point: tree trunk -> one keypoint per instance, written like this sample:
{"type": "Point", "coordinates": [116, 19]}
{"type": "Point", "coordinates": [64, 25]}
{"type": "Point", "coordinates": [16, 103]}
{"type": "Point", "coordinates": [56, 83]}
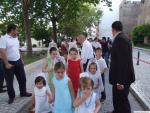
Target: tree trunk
{"type": "Point", "coordinates": [54, 30]}
{"type": "Point", "coordinates": [25, 9]}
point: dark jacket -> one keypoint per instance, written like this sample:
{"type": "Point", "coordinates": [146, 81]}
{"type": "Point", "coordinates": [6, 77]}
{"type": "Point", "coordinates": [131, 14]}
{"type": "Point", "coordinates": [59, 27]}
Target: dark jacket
{"type": "Point", "coordinates": [121, 66]}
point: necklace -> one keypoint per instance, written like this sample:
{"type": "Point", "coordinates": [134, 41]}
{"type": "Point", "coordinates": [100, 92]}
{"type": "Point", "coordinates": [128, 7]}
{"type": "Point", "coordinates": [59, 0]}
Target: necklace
{"type": "Point", "coordinates": [87, 104]}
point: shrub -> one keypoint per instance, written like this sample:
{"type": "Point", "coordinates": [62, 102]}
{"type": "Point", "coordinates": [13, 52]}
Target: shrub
{"type": "Point", "coordinates": [139, 32]}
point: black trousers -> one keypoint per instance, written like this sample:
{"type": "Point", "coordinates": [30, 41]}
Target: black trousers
{"type": "Point", "coordinates": [2, 72]}
{"type": "Point", "coordinates": [85, 65]}
{"type": "Point", "coordinates": [18, 70]}
{"type": "Point", "coordinates": [103, 94]}
{"type": "Point", "coordinates": [120, 100]}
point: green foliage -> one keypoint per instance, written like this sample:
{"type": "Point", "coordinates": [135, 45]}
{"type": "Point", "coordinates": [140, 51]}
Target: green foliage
{"type": "Point", "coordinates": [139, 32]}
{"type": "Point", "coordinates": [66, 14]}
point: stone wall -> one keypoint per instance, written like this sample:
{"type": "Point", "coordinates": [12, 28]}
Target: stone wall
{"type": "Point", "coordinates": [144, 16]}
{"type": "Point", "coordinates": [128, 14]}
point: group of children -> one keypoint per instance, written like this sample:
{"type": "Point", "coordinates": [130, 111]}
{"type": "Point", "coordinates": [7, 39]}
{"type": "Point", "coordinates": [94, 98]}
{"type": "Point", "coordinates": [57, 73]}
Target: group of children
{"type": "Point", "coordinates": [68, 89]}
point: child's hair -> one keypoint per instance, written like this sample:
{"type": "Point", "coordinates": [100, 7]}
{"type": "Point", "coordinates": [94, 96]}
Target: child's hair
{"type": "Point", "coordinates": [98, 49]}
{"type": "Point", "coordinates": [40, 79]}
{"type": "Point", "coordinates": [93, 63]}
{"type": "Point", "coordinates": [59, 65]}
{"type": "Point", "coordinates": [52, 49]}
{"type": "Point", "coordinates": [73, 49]}
{"type": "Point", "coordinates": [86, 82]}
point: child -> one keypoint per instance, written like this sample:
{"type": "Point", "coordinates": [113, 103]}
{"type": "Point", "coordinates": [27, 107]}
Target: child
{"type": "Point", "coordinates": [103, 67]}
{"type": "Point", "coordinates": [74, 68]}
{"type": "Point", "coordinates": [64, 93]}
{"type": "Point", "coordinates": [87, 101]}
{"type": "Point", "coordinates": [42, 96]}
{"type": "Point", "coordinates": [95, 75]}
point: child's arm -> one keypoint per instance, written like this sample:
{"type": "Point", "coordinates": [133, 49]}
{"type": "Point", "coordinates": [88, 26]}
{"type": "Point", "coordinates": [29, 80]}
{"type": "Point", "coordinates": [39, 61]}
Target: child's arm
{"type": "Point", "coordinates": [71, 89]}
{"type": "Point", "coordinates": [98, 106]}
{"type": "Point", "coordinates": [44, 69]}
{"type": "Point", "coordinates": [78, 101]}
{"type": "Point", "coordinates": [33, 102]}
{"type": "Point", "coordinates": [81, 65]}
{"type": "Point", "coordinates": [49, 94]}
{"type": "Point", "coordinates": [101, 83]}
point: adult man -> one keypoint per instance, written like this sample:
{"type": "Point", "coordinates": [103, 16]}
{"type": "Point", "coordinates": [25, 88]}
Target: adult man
{"type": "Point", "coordinates": [87, 50]}
{"type": "Point", "coordinates": [9, 49]}
{"type": "Point", "coordinates": [1, 74]}
{"type": "Point", "coordinates": [121, 73]}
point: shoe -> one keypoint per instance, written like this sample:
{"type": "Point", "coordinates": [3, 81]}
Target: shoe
{"type": "Point", "coordinates": [2, 90]}
{"type": "Point", "coordinates": [11, 100]}
{"type": "Point", "coordinates": [26, 94]}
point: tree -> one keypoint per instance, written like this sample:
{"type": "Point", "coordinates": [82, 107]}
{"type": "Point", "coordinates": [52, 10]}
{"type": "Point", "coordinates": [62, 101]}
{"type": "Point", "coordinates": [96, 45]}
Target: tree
{"type": "Point", "coordinates": [87, 17]}
{"type": "Point", "coordinates": [25, 8]}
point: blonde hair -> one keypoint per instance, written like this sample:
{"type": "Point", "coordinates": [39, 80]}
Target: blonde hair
{"type": "Point", "coordinates": [86, 82]}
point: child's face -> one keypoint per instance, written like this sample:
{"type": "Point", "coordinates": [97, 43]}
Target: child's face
{"type": "Point", "coordinates": [60, 73]}
{"type": "Point", "coordinates": [98, 53]}
{"type": "Point", "coordinates": [39, 85]}
{"type": "Point", "coordinates": [73, 54]}
{"type": "Point", "coordinates": [92, 69]}
{"type": "Point", "coordinates": [54, 54]}
{"type": "Point", "coordinates": [86, 91]}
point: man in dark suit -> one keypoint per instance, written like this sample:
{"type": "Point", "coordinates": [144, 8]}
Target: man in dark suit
{"type": "Point", "coordinates": [121, 74]}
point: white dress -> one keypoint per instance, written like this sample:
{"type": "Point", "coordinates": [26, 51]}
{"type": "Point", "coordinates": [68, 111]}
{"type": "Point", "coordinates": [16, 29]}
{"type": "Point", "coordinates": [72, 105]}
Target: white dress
{"type": "Point", "coordinates": [41, 100]}
{"type": "Point", "coordinates": [87, 106]}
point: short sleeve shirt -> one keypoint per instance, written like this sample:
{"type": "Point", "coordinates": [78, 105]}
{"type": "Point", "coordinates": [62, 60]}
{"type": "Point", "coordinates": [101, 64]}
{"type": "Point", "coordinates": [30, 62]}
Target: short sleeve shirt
{"type": "Point", "coordinates": [11, 45]}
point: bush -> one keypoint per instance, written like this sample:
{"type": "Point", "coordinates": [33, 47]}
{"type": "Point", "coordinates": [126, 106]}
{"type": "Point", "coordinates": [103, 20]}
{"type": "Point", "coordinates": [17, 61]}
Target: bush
{"type": "Point", "coordinates": [139, 32]}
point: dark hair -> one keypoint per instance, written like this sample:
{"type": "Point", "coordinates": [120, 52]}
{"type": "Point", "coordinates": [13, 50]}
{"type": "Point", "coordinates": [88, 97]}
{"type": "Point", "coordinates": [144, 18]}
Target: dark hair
{"type": "Point", "coordinates": [117, 25]}
{"type": "Point", "coordinates": [11, 27]}
{"type": "Point", "coordinates": [84, 34]}
{"type": "Point", "coordinates": [59, 65]}
{"type": "Point", "coordinates": [40, 79]}
{"type": "Point", "coordinates": [103, 38]}
{"type": "Point", "coordinates": [93, 63]}
{"type": "Point", "coordinates": [98, 49]}
{"type": "Point", "coordinates": [52, 49]}
{"type": "Point", "coordinates": [73, 49]}
{"type": "Point", "coordinates": [95, 38]}
{"type": "Point", "coordinates": [86, 82]}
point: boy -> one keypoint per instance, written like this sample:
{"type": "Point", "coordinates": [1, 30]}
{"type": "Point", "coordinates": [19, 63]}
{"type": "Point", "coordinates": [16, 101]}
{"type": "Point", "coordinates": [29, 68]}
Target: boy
{"type": "Point", "coordinates": [103, 67]}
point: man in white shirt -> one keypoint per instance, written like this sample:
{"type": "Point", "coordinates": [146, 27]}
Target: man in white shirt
{"type": "Point", "coordinates": [87, 49]}
{"type": "Point", "coordinates": [9, 49]}
{"type": "Point", "coordinates": [96, 44]}
{"type": "Point", "coordinates": [1, 75]}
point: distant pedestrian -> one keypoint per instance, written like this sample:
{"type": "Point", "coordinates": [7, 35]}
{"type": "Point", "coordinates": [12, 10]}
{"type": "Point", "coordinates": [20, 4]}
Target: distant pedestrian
{"type": "Point", "coordinates": [9, 49]}
{"type": "Point", "coordinates": [121, 74]}
{"type": "Point", "coordinates": [103, 67]}
{"type": "Point", "coordinates": [2, 90]}
{"type": "Point", "coordinates": [87, 49]}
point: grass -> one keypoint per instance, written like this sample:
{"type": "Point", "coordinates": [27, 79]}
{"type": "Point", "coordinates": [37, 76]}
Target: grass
{"type": "Point", "coordinates": [143, 46]}
{"type": "Point", "coordinates": [35, 56]}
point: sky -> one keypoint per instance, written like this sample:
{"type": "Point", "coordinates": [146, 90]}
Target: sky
{"type": "Point", "coordinates": [109, 17]}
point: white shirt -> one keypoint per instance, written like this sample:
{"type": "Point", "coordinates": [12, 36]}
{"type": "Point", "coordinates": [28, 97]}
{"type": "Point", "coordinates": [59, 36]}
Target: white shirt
{"type": "Point", "coordinates": [87, 51]}
{"type": "Point", "coordinates": [96, 45]}
{"type": "Point", "coordinates": [88, 106]}
{"type": "Point", "coordinates": [102, 64]}
{"type": "Point", "coordinates": [11, 45]}
{"type": "Point", "coordinates": [41, 100]}
{"type": "Point", "coordinates": [72, 44]}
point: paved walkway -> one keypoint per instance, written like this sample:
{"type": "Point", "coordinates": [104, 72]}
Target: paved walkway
{"type": "Point", "coordinates": [19, 102]}
{"type": "Point", "coordinates": [141, 87]}
{"type": "Point", "coordinates": [107, 106]}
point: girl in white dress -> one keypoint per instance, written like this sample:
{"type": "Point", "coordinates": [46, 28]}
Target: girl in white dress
{"type": "Point", "coordinates": [87, 100]}
{"type": "Point", "coordinates": [42, 96]}
{"type": "Point", "coordinates": [94, 73]}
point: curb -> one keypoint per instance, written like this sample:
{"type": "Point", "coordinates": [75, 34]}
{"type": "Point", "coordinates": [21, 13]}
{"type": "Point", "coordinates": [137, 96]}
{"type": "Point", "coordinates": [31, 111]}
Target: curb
{"type": "Point", "coordinates": [140, 98]}
{"type": "Point", "coordinates": [147, 50]}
